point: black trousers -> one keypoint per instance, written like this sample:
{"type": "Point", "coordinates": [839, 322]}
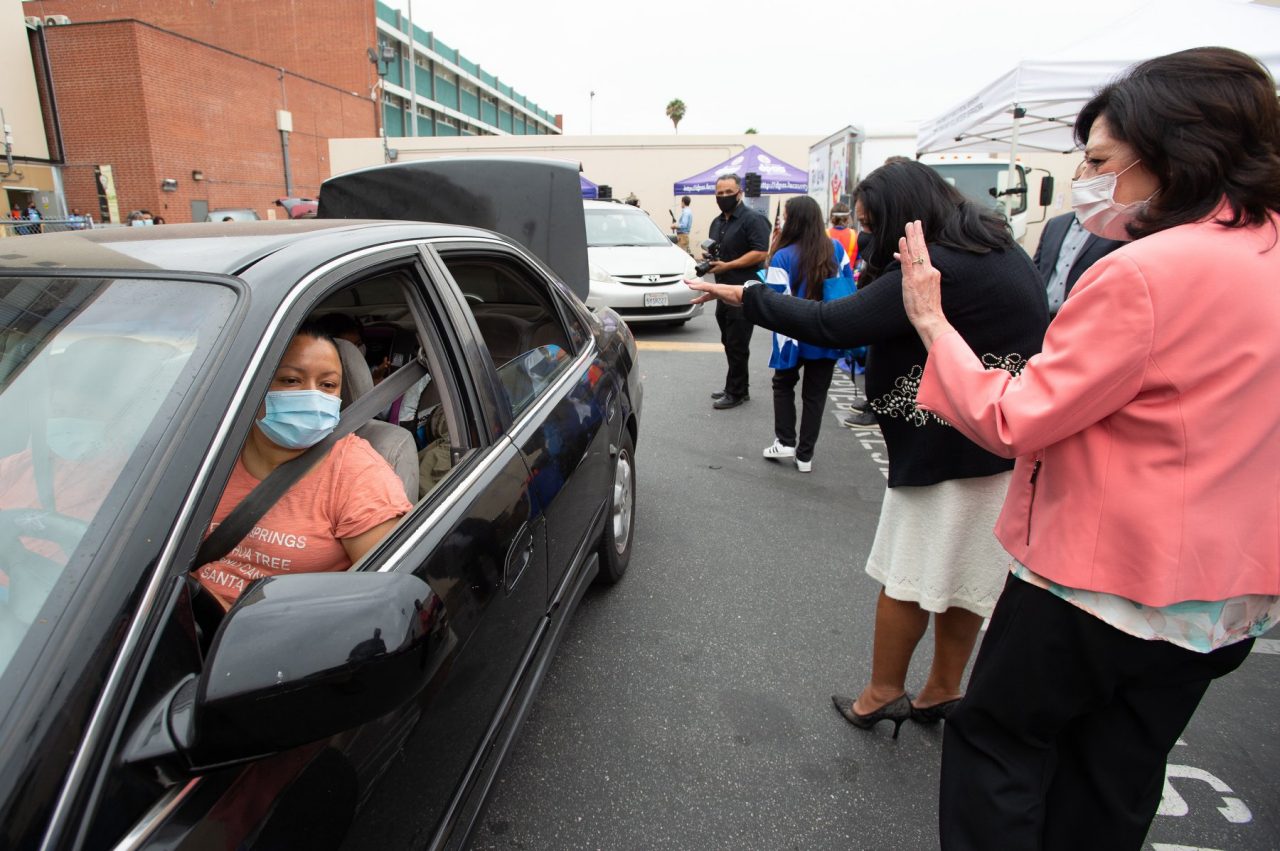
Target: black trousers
{"type": "Point", "coordinates": [735, 336]}
{"type": "Point", "coordinates": [813, 399]}
{"type": "Point", "coordinates": [1061, 740]}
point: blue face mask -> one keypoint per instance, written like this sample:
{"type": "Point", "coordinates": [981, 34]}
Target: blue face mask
{"type": "Point", "coordinates": [297, 419]}
{"type": "Point", "coordinates": [74, 438]}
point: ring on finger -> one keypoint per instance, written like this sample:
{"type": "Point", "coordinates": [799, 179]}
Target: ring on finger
{"type": "Point", "coordinates": [919, 261]}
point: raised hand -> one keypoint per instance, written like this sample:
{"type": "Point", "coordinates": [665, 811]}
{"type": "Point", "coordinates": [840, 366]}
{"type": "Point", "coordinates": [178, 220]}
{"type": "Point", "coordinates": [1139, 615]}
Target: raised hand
{"type": "Point", "coordinates": [921, 285]}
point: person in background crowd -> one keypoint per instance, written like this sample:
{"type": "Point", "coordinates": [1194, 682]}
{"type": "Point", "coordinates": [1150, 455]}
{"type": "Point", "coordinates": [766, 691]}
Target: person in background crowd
{"type": "Point", "coordinates": [1142, 517]}
{"type": "Point", "coordinates": [1065, 251]}
{"type": "Point", "coordinates": [158, 220]}
{"type": "Point", "coordinates": [933, 552]}
{"type": "Point", "coordinates": [76, 221]}
{"type": "Point", "coordinates": [33, 215]}
{"type": "Point", "coordinates": [842, 232]}
{"type": "Point", "coordinates": [743, 235]}
{"type": "Point", "coordinates": [684, 224]}
{"type": "Point", "coordinates": [803, 260]}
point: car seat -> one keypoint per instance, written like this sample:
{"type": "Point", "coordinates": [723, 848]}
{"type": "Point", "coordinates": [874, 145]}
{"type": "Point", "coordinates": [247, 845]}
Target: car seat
{"type": "Point", "coordinates": [390, 441]}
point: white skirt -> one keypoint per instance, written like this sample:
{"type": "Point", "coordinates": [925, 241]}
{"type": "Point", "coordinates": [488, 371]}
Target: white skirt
{"type": "Point", "coordinates": [936, 546]}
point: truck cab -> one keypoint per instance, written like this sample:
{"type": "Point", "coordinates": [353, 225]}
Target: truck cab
{"type": "Point", "coordinates": [986, 181]}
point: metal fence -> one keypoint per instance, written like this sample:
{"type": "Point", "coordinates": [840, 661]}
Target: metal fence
{"type": "Point", "coordinates": [24, 227]}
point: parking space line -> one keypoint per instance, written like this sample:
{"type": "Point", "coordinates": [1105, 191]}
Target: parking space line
{"type": "Point", "coordinates": [663, 346]}
{"type": "Point", "coordinates": [1268, 646]}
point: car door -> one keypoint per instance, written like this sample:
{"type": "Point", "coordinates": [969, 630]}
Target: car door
{"type": "Point", "coordinates": [560, 398]}
{"type": "Point", "coordinates": [476, 542]}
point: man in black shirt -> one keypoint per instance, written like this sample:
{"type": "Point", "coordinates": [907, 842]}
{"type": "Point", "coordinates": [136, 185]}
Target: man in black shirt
{"type": "Point", "coordinates": [743, 235]}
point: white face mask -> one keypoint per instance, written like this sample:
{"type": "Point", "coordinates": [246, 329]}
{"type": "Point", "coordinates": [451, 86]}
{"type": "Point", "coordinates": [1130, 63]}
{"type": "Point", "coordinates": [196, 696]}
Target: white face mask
{"type": "Point", "coordinates": [1097, 209]}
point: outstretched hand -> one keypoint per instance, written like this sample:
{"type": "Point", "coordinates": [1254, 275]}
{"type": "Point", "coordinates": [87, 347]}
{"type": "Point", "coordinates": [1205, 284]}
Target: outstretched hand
{"type": "Point", "coordinates": [921, 285]}
{"type": "Point", "coordinates": [730, 294]}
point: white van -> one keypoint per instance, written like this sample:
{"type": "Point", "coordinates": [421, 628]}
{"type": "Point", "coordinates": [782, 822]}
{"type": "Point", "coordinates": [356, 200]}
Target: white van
{"type": "Point", "coordinates": [635, 268]}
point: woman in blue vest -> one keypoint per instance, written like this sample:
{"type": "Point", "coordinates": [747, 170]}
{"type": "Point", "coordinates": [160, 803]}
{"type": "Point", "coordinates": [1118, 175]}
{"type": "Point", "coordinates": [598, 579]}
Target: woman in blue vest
{"type": "Point", "coordinates": [804, 259]}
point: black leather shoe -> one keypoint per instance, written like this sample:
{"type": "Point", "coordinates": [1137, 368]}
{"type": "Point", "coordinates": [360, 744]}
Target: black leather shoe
{"type": "Point", "coordinates": [860, 419]}
{"type": "Point", "coordinates": [727, 401]}
{"type": "Point", "coordinates": [717, 394]}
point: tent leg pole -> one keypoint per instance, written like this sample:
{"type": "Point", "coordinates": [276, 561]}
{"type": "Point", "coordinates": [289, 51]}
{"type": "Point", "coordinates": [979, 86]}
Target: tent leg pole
{"type": "Point", "coordinates": [1012, 179]}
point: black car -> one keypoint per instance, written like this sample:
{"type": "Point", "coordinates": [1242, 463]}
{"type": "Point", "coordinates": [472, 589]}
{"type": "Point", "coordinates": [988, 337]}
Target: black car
{"type": "Point", "coordinates": [368, 708]}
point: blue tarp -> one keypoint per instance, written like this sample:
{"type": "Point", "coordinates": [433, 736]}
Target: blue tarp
{"type": "Point", "coordinates": [589, 189]}
{"type": "Point", "coordinates": [776, 177]}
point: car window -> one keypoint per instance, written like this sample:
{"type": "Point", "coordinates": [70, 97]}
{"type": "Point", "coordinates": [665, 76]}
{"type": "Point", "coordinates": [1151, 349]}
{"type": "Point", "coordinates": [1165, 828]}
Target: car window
{"type": "Point", "coordinates": [88, 369]}
{"type": "Point", "coordinates": [353, 497]}
{"type": "Point", "coordinates": [622, 225]}
{"type": "Point", "coordinates": [518, 319]}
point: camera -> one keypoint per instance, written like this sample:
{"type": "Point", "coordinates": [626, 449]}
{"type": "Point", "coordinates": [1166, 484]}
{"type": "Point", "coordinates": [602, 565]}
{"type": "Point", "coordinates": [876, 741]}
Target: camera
{"type": "Point", "coordinates": [711, 255]}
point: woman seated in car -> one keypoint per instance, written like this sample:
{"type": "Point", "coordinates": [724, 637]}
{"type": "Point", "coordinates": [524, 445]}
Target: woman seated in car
{"type": "Point", "coordinates": [335, 513]}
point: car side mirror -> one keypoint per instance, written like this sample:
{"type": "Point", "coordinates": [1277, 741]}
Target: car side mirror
{"type": "Point", "coordinates": [299, 658]}
{"type": "Point", "coordinates": [1046, 190]}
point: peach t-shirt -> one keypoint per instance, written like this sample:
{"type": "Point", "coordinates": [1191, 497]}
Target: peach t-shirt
{"type": "Point", "coordinates": [349, 492]}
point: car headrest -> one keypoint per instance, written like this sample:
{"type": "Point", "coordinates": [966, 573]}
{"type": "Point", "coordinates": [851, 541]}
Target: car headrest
{"type": "Point", "coordinates": [357, 379]}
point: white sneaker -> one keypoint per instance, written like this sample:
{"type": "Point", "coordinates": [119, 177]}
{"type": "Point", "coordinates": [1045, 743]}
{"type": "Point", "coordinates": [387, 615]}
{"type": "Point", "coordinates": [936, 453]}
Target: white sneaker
{"type": "Point", "coordinates": [776, 451]}
{"type": "Point", "coordinates": [804, 466]}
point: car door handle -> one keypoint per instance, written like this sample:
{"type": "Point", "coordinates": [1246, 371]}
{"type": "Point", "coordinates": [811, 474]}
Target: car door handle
{"type": "Point", "coordinates": [519, 556]}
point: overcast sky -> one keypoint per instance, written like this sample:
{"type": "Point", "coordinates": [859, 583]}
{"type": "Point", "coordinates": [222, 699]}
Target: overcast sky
{"type": "Point", "coordinates": [782, 67]}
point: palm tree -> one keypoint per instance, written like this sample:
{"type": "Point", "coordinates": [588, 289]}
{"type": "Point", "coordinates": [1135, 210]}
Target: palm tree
{"type": "Point", "coordinates": [675, 111]}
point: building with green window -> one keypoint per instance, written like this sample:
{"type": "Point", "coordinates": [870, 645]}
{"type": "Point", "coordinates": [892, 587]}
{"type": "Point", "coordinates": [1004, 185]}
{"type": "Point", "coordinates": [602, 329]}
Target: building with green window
{"type": "Point", "coordinates": [455, 96]}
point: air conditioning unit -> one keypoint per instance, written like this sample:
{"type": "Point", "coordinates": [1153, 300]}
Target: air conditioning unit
{"type": "Point", "coordinates": [56, 20]}
{"type": "Point", "coordinates": [34, 21]}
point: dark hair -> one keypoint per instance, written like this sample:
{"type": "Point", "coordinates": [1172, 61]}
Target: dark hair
{"type": "Point", "coordinates": [686, 200]}
{"type": "Point", "coordinates": [905, 191]}
{"type": "Point", "coordinates": [804, 229]}
{"type": "Point", "coordinates": [335, 325]}
{"type": "Point", "coordinates": [1205, 122]}
{"type": "Point", "coordinates": [897, 158]}
{"type": "Point", "coordinates": [737, 181]}
{"type": "Point", "coordinates": [316, 329]}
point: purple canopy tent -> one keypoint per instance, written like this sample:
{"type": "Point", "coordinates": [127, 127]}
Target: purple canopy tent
{"type": "Point", "coordinates": [589, 189]}
{"type": "Point", "coordinates": [776, 177]}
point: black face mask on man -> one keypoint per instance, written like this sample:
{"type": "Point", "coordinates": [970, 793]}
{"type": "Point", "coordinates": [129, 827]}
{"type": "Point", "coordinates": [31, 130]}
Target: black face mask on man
{"type": "Point", "coordinates": [726, 203]}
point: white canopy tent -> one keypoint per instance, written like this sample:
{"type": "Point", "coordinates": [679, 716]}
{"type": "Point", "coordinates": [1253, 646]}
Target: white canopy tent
{"type": "Point", "coordinates": [1035, 105]}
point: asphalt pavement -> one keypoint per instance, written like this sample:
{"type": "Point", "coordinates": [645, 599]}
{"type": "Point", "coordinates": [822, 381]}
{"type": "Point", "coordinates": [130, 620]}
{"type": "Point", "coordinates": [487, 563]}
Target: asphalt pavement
{"type": "Point", "coordinates": [689, 706]}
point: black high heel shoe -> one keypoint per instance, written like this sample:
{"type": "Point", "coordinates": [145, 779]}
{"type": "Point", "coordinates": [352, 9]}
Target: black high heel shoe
{"type": "Point", "coordinates": [934, 714]}
{"type": "Point", "coordinates": [897, 711]}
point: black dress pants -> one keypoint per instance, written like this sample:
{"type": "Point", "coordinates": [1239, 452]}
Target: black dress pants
{"type": "Point", "coordinates": [813, 399]}
{"type": "Point", "coordinates": [1061, 740]}
{"type": "Point", "coordinates": [735, 336]}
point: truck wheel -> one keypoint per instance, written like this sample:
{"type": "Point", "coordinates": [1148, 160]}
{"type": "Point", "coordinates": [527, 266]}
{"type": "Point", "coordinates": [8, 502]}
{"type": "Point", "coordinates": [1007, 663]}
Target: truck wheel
{"type": "Point", "coordinates": [620, 521]}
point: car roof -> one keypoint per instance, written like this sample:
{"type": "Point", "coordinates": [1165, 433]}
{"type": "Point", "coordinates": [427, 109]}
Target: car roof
{"type": "Point", "coordinates": [220, 248]}
{"type": "Point", "coordinates": [608, 205]}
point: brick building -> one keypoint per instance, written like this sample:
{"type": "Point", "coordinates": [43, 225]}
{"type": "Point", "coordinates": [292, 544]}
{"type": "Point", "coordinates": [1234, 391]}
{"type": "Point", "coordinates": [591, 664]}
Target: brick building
{"type": "Point", "coordinates": [182, 98]}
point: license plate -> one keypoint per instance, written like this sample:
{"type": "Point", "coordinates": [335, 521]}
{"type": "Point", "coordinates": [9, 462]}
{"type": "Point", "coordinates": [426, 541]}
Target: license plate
{"type": "Point", "coordinates": [655, 299]}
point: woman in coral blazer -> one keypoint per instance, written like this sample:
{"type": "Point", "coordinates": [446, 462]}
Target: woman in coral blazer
{"type": "Point", "coordinates": [1144, 514]}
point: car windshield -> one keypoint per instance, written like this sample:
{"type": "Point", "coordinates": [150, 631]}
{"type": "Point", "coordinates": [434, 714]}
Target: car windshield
{"type": "Point", "coordinates": [91, 372]}
{"type": "Point", "coordinates": [622, 226]}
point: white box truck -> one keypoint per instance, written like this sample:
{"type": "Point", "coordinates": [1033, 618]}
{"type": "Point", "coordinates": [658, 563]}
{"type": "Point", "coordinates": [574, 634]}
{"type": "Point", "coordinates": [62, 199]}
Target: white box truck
{"type": "Point", "coordinates": [834, 171]}
{"type": "Point", "coordinates": [835, 164]}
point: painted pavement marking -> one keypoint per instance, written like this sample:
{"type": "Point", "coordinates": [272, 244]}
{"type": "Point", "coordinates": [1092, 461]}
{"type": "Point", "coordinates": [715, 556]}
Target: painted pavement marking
{"type": "Point", "coordinates": [664, 346]}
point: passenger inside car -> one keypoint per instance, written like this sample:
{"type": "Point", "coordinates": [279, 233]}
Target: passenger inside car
{"type": "Point", "coordinates": [334, 514]}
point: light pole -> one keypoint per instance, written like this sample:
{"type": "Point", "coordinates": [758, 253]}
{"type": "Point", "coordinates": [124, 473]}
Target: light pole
{"type": "Point", "coordinates": [382, 60]}
{"type": "Point", "coordinates": [591, 115]}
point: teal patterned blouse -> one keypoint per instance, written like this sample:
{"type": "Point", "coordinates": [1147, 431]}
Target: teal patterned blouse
{"type": "Point", "coordinates": [1199, 625]}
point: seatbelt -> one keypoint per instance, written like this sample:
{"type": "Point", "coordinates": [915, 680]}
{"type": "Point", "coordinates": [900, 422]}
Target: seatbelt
{"type": "Point", "coordinates": [232, 530]}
